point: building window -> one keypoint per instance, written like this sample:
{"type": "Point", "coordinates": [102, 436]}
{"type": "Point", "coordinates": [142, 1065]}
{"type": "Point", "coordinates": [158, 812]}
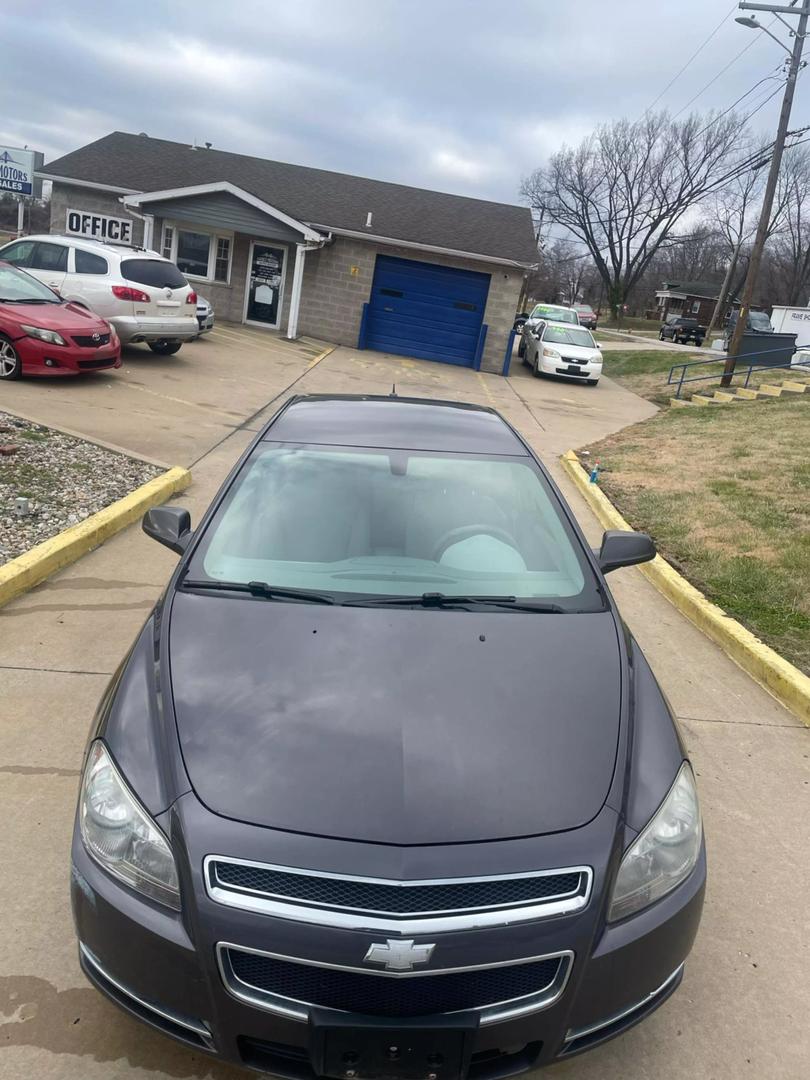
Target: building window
{"type": "Point", "coordinates": [222, 262]}
{"type": "Point", "coordinates": [695, 307]}
{"type": "Point", "coordinates": [167, 251]}
{"type": "Point", "coordinates": [198, 254]}
{"type": "Point", "coordinates": [193, 250]}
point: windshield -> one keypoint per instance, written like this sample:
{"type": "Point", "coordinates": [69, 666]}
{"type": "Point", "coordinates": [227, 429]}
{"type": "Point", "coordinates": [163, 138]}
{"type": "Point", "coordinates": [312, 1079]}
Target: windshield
{"type": "Point", "coordinates": [554, 314]}
{"type": "Point", "coordinates": [16, 286]}
{"type": "Point", "coordinates": [395, 523]}
{"type": "Point", "coordinates": [584, 309]}
{"type": "Point", "coordinates": [759, 321]}
{"type": "Point", "coordinates": [565, 335]}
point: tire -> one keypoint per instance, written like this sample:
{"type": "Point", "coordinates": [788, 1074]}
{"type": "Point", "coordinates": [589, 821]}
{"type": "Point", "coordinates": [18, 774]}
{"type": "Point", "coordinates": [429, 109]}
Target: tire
{"type": "Point", "coordinates": [165, 348]}
{"type": "Point", "coordinates": [10, 363]}
{"type": "Point", "coordinates": [661, 335]}
{"type": "Point", "coordinates": [522, 350]}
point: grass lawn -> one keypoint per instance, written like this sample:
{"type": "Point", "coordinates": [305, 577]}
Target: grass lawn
{"type": "Point", "coordinates": [725, 493]}
{"type": "Point", "coordinates": [645, 373]}
{"type": "Point", "coordinates": [630, 322]}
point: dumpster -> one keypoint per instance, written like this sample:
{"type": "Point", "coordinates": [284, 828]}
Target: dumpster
{"type": "Point", "coordinates": [766, 350]}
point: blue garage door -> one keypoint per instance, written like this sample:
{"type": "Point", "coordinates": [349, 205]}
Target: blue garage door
{"type": "Point", "coordinates": [421, 309]}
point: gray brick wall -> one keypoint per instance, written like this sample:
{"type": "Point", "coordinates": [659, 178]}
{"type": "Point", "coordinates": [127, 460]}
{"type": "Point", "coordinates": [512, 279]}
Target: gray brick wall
{"type": "Point", "coordinates": [65, 197]}
{"type": "Point", "coordinates": [333, 297]}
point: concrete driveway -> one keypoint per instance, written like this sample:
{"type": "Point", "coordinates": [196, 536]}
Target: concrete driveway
{"type": "Point", "coordinates": [742, 1009]}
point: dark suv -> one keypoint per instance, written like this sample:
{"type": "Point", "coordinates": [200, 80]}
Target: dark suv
{"type": "Point", "coordinates": [681, 330]}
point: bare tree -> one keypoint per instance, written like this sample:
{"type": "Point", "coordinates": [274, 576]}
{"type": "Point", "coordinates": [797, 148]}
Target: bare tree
{"type": "Point", "coordinates": [790, 247]}
{"type": "Point", "coordinates": [732, 209]}
{"type": "Point", "coordinates": [623, 190]}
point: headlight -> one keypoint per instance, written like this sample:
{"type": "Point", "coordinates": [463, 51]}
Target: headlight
{"type": "Point", "coordinates": [664, 854]}
{"type": "Point", "coordinates": [552, 354]}
{"type": "Point", "coordinates": [50, 336]}
{"type": "Point", "coordinates": [121, 836]}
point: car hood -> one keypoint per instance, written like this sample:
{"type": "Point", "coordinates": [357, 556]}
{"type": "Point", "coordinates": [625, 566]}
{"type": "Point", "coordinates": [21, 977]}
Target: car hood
{"type": "Point", "coordinates": [72, 318]}
{"type": "Point", "coordinates": [585, 354]}
{"type": "Point", "coordinates": [400, 726]}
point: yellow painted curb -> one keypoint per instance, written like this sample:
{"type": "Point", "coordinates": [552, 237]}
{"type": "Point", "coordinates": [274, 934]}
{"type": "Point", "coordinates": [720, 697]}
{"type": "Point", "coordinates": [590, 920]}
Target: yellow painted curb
{"type": "Point", "coordinates": [26, 571]}
{"type": "Point", "coordinates": [787, 684]}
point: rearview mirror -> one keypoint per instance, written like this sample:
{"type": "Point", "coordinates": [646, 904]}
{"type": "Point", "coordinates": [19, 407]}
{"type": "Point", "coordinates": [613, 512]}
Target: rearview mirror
{"type": "Point", "coordinates": [169, 525]}
{"type": "Point", "coordinates": [623, 548]}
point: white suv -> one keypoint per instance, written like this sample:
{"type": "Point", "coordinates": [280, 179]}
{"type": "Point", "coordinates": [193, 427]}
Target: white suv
{"type": "Point", "coordinates": [142, 294]}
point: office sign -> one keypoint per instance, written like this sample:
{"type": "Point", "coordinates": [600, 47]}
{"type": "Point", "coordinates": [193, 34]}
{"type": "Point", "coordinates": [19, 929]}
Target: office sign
{"type": "Point", "coordinates": [99, 226]}
{"type": "Point", "coordinates": [17, 170]}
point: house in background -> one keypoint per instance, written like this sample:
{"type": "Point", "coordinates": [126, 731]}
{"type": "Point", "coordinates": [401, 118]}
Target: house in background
{"type": "Point", "coordinates": [693, 299]}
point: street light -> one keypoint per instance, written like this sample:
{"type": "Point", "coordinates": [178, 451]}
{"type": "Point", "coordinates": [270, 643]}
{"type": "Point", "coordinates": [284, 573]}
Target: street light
{"type": "Point", "coordinates": [753, 24]}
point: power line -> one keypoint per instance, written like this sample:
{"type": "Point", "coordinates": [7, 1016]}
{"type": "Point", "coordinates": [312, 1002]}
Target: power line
{"type": "Point", "coordinates": [694, 56]}
{"type": "Point", "coordinates": [722, 71]}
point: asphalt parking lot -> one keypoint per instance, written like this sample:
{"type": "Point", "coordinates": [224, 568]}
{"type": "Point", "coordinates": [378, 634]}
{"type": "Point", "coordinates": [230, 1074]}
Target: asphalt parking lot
{"type": "Point", "coordinates": [742, 1008]}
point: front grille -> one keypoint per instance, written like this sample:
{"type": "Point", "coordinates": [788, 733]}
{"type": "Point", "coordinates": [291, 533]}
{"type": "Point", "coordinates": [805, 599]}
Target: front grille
{"type": "Point", "coordinates": [101, 362]}
{"type": "Point", "coordinates": [89, 341]}
{"type": "Point", "coordinates": [380, 995]}
{"type": "Point", "coordinates": [394, 898]}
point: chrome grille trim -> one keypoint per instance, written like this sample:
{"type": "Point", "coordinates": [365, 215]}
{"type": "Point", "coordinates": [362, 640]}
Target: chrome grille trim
{"type": "Point", "coordinates": [580, 1033]}
{"type": "Point", "coordinates": [292, 1009]}
{"type": "Point", "coordinates": [195, 1026]}
{"type": "Point", "coordinates": [432, 922]}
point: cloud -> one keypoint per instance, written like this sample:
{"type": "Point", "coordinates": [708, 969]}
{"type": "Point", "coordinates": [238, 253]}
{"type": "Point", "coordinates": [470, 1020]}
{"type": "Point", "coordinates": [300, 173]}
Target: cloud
{"type": "Point", "coordinates": [462, 95]}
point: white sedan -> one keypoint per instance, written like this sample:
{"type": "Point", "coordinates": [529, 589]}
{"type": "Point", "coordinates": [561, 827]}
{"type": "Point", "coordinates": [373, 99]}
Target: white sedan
{"type": "Point", "coordinates": [567, 351]}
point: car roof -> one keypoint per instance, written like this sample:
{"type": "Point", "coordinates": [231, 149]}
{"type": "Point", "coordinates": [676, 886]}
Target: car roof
{"type": "Point", "coordinates": [89, 243]}
{"type": "Point", "coordinates": [394, 423]}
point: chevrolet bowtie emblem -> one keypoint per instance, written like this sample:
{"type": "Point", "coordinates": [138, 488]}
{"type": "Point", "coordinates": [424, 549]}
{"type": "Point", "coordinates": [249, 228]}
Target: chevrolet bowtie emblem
{"type": "Point", "coordinates": [398, 954]}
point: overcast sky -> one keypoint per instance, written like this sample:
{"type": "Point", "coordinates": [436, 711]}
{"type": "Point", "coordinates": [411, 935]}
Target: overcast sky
{"type": "Point", "coordinates": [459, 95]}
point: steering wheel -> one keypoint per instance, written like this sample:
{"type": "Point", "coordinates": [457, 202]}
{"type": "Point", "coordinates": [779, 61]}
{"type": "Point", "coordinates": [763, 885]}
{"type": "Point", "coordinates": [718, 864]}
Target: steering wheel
{"type": "Point", "coordinates": [464, 532]}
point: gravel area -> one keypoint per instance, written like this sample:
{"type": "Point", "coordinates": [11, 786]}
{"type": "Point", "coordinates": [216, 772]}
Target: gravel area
{"type": "Point", "coordinates": [63, 478]}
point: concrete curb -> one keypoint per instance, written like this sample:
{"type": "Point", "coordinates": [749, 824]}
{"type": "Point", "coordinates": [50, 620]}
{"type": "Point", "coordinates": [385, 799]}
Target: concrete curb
{"type": "Point", "coordinates": [23, 573]}
{"type": "Point", "coordinates": [787, 684]}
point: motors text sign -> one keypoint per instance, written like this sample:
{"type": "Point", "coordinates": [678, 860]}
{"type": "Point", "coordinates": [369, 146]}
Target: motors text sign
{"type": "Point", "coordinates": [99, 226]}
{"type": "Point", "coordinates": [17, 170]}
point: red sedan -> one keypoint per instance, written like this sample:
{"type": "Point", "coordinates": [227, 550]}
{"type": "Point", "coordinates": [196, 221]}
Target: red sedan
{"type": "Point", "coordinates": [40, 334]}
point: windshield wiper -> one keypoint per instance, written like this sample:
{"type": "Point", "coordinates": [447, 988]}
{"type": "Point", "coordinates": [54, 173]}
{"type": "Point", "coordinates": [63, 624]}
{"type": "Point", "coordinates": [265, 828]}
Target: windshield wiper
{"type": "Point", "coordinates": [261, 589]}
{"type": "Point", "coordinates": [27, 300]}
{"type": "Point", "coordinates": [435, 599]}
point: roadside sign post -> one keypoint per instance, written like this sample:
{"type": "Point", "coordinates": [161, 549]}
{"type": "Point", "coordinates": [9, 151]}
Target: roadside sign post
{"type": "Point", "coordinates": [18, 176]}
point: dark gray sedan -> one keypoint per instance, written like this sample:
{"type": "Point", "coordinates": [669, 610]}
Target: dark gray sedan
{"type": "Point", "coordinates": [385, 787]}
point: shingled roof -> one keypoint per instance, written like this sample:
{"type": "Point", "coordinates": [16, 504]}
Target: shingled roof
{"type": "Point", "coordinates": [139, 163]}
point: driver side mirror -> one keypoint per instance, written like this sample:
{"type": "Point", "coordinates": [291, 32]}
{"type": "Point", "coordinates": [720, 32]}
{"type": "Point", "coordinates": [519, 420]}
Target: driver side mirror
{"type": "Point", "coordinates": [169, 525]}
{"type": "Point", "coordinates": [623, 548]}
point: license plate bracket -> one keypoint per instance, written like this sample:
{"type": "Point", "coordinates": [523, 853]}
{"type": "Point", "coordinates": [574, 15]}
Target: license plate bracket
{"type": "Point", "coordinates": [574, 369]}
{"type": "Point", "coordinates": [362, 1047]}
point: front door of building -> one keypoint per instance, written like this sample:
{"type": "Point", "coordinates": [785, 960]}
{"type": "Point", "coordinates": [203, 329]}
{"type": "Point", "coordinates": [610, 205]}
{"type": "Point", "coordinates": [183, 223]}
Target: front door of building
{"type": "Point", "coordinates": [264, 289]}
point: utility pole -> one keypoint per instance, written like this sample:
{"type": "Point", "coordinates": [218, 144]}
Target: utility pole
{"type": "Point", "coordinates": [776, 162]}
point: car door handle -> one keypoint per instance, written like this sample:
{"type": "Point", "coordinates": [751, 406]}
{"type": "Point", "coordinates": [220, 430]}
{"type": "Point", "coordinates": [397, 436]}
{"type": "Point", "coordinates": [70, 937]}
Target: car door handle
{"type": "Point", "coordinates": [53, 284]}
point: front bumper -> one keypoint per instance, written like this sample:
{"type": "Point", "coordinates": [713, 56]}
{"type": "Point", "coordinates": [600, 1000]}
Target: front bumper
{"type": "Point", "coordinates": [163, 967]}
{"type": "Point", "coordinates": [134, 328]}
{"type": "Point", "coordinates": [205, 323]}
{"type": "Point", "coordinates": [40, 358]}
{"type": "Point", "coordinates": [550, 366]}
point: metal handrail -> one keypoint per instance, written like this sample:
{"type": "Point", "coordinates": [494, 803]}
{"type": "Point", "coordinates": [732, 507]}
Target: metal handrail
{"type": "Point", "coordinates": [738, 369]}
